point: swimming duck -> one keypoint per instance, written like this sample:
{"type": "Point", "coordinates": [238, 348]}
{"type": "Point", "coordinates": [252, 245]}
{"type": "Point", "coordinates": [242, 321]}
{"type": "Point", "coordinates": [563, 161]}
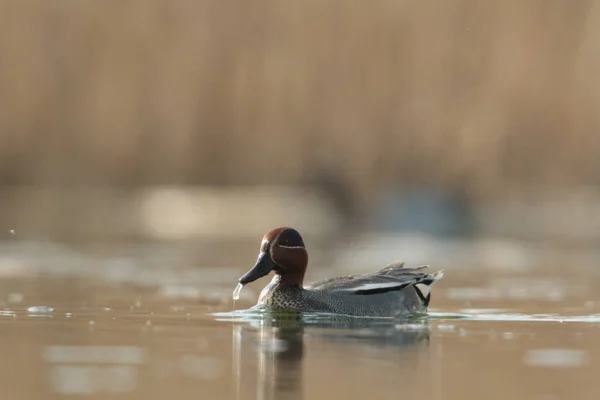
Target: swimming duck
{"type": "Point", "coordinates": [389, 292]}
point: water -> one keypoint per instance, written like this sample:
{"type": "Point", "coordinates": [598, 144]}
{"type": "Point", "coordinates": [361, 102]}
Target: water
{"type": "Point", "coordinates": [236, 291]}
{"type": "Point", "coordinates": [88, 332]}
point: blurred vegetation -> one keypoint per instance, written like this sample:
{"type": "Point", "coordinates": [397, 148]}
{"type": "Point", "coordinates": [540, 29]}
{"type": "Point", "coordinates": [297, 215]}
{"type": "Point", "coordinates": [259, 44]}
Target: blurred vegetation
{"type": "Point", "coordinates": [483, 97]}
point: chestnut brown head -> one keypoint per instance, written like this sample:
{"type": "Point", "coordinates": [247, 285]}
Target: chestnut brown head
{"type": "Point", "coordinates": [282, 250]}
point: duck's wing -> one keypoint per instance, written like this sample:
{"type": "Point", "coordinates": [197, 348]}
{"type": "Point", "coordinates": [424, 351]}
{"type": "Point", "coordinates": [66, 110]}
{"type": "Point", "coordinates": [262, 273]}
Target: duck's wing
{"type": "Point", "coordinates": [390, 278]}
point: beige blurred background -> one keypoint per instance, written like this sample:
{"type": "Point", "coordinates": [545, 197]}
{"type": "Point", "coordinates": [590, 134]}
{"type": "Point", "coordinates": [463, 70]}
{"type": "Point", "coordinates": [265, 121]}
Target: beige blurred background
{"type": "Point", "coordinates": [146, 146]}
{"type": "Point", "coordinates": [195, 120]}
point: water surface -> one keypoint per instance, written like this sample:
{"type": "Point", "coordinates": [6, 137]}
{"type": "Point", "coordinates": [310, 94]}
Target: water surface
{"type": "Point", "coordinates": [96, 329]}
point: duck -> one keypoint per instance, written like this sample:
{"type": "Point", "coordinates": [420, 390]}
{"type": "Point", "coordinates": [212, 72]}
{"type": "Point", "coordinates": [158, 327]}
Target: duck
{"type": "Point", "coordinates": [392, 291]}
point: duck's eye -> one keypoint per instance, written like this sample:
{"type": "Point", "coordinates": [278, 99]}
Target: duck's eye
{"type": "Point", "coordinates": [285, 242]}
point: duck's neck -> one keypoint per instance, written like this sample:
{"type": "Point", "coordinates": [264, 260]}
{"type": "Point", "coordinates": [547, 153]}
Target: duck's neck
{"type": "Point", "coordinates": [289, 279]}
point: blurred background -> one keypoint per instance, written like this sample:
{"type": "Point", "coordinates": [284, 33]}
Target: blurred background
{"type": "Point", "coordinates": [146, 146]}
{"type": "Point", "coordinates": [208, 123]}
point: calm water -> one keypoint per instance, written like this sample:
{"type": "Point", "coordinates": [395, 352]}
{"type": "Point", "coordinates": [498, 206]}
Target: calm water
{"type": "Point", "coordinates": [107, 329]}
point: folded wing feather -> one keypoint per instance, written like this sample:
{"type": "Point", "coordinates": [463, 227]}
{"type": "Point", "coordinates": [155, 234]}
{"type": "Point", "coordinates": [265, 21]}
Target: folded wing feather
{"type": "Point", "coordinates": [390, 278]}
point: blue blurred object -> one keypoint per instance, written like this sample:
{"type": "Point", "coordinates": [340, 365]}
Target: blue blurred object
{"type": "Point", "coordinates": [424, 210]}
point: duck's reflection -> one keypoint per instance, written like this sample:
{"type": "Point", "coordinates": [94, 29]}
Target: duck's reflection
{"type": "Point", "coordinates": [280, 353]}
{"type": "Point", "coordinates": [280, 344]}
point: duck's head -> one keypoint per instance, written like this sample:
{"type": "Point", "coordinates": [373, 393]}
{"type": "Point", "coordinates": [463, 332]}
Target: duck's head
{"type": "Point", "coordinates": [282, 250]}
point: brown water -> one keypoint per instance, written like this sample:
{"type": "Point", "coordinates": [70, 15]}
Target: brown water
{"type": "Point", "coordinates": [98, 329]}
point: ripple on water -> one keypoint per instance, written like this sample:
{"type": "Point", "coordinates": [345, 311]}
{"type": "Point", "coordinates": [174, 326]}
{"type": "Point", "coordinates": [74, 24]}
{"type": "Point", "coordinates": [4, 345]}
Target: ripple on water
{"type": "Point", "coordinates": [257, 318]}
{"type": "Point", "coordinates": [258, 315]}
{"type": "Point", "coordinates": [40, 309]}
{"type": "Point", "coordinates": [516, 317]}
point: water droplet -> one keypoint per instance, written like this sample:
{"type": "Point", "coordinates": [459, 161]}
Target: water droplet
{"type": "Point", "coordinates": [237, 290]}
{"type": "Point", "coordinates": [12, 232]}
{"type": "Point", "coordinates": [92, 323]}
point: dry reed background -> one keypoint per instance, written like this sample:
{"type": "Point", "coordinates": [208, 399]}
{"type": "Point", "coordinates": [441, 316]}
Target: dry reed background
{"type": "Point", "coordinates": [485, 97]}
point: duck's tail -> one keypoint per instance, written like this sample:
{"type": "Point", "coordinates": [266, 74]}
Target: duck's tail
{"type": "Point", "coordinates": [423, 288]}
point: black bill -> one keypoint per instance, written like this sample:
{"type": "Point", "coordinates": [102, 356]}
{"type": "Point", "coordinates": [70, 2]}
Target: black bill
{"type": "Point", "coordinates": [263, 266]}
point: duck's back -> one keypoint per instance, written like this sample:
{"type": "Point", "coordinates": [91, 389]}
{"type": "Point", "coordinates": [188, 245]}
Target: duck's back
{"type": "Point", "coordinates": [390, 291]}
